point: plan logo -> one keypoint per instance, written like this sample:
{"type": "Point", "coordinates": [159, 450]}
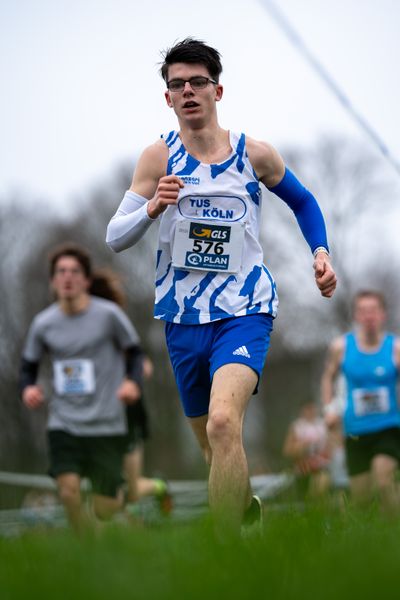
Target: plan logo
{"type": "Point", "coordinates": [209, 262]}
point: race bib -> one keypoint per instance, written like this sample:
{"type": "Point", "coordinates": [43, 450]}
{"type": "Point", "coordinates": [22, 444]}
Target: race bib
{"type": "Point", "coordinates": [368, 402]}
{"type": "Point", "coordinates": [74, 377]}
{"type": "Point", "coordinates": [208, 247]}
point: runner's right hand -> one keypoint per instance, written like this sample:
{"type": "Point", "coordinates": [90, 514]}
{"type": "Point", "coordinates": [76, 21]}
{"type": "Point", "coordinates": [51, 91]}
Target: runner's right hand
{"type": "Point", "coordinates": [167, 193]}
{"type": "Point", "coordinates": [33, 396]}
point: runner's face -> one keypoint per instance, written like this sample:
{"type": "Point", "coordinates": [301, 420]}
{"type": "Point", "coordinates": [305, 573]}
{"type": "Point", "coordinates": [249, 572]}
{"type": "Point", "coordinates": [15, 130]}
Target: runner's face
{"type": "Point", "coordinates": [69, 280]}
{"type": "Point", "coordinates": [193, 106]}
{"type": "Point", "coordinates": [369, 314]}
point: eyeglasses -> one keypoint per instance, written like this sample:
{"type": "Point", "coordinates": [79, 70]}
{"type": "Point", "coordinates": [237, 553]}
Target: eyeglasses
{"type": "Point", "coordinates": [196, 83]}
{"type": "Point", "coordinates": [73, 271]}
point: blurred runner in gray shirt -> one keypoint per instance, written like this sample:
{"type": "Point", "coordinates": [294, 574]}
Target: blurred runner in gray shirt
{"type": "Point", "coordinates": [97, 368]}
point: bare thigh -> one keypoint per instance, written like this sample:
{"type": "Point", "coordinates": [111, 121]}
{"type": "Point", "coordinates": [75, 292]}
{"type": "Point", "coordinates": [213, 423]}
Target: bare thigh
{"type": "Point", "coordinates": [232, 387]}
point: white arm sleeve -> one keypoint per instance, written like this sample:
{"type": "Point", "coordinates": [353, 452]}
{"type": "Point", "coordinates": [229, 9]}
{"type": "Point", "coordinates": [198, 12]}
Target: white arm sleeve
{"type": "Point", "coordinates": [129, 223]}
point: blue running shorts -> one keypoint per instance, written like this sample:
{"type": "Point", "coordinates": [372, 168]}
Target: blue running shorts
{"type": "Point", "coordinates": [197, 351]}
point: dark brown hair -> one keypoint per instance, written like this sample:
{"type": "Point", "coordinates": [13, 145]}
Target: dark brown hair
{"type": "Point", "coordinates": [74, 250]}
{"type": "Point", "coordinates": [192, 51]}
{"type": "Point", "coordinates": [107, 284]}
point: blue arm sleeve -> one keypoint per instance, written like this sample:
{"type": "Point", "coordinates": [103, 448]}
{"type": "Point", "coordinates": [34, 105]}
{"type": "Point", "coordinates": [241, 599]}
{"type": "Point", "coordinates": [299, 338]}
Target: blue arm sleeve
{"type": "Point", "coordinates": [305, 208]}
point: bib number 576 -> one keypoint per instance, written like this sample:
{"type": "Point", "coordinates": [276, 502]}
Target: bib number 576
{"type": "Point", "coordinates": [206, 247]}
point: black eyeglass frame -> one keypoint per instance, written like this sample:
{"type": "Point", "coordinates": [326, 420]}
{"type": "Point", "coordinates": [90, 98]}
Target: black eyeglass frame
{"type": "Point", "coordinates": [183, 82]}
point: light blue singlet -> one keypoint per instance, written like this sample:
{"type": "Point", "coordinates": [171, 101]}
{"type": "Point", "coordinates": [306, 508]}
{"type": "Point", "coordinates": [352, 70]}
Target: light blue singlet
{"type": "Point", "coordinates": [371, 377]}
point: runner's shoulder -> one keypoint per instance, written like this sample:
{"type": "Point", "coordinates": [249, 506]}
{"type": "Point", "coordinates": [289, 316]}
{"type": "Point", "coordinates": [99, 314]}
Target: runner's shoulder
{"type": "Point", "coordinates": [158, 151]}
{"type": "Point", "coordinates": [105, 306]}
{"type": "Point", "coordinates": [337, 346]}
{"type": "Point", "coordinates": [154, 158]}
{"type": "Point", "coordinates": [266, 161]}
{"type": "Point", "coordinates": [45, 317]}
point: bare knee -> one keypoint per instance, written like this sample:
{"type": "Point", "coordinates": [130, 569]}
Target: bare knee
{"type": "Point", "coordinates": [199, 426]}
{"type": "Point", "coordinates": [105, 507]}
{"type": "Point", "coordinates": [222, 427]}
{"type": "Point", "coordinates": [207, 453]}
{"type": "Point", "coordinates": [70, 495]}
{"type": "Point", "coordinates": [361, 488]}
{"type": "Point", "coordinates": [383, 470]}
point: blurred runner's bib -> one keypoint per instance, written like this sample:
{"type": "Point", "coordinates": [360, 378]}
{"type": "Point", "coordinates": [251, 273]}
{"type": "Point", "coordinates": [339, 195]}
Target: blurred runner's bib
{"type": "Point", "coordinates": [208, 246]}
{"type": "Point", "coordinates": [368, 402]}
{"type": "Point", "coordinates": [74, 377]}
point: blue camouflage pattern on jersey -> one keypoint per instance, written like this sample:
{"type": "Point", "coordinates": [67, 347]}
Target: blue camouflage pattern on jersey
{"type": "Point", "coordinates": [216, 193]}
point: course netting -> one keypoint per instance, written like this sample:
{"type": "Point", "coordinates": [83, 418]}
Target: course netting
{"type": "Point", "coordinates": [41, 507]}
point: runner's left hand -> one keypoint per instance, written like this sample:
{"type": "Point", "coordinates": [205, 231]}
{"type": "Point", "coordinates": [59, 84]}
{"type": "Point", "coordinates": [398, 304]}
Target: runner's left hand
{"type": "Point", "coordinates": [129, 391]}
{"type": "Point", "coordinates": [325, 276]}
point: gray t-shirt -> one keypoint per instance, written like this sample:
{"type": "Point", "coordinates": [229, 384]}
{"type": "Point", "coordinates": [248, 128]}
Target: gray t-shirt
{"type": "Point", "coordinates": [87, 354]}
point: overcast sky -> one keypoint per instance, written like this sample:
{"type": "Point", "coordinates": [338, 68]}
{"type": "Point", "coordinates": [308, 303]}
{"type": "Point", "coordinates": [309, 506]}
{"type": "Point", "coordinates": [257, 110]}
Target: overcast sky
{"type": "Point", "coordinates": [81, 90]}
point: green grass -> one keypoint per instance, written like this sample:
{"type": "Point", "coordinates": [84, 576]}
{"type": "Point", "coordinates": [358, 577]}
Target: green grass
{"type": "Point", "coordinates": [302, 555]}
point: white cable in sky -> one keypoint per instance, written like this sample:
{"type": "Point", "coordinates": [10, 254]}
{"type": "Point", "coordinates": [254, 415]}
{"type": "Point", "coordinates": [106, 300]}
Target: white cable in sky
{"type": "Point", "coordinates": [300, 45]}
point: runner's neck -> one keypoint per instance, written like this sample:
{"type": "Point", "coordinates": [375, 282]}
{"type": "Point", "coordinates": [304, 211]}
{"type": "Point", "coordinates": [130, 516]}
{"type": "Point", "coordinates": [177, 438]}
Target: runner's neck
{"type": "Point", "coordinates": [73, 306]}
{"type": "Point", "coordinates": [370, 340]}
{"type": "Point", "coordinates": [210, 146]}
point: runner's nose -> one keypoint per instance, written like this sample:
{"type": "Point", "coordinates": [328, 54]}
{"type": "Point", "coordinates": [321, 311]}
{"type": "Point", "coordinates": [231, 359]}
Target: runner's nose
{"type": "Point", "coordinates": [188, 88]}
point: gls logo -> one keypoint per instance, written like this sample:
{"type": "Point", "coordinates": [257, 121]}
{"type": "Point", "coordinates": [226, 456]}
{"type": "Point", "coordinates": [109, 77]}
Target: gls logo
{"type": "Point", "coordinates": [219, 233]}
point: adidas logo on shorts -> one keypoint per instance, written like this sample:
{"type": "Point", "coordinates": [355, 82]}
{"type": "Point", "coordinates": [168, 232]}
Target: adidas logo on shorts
{"type": "Point", "coordinates": [242, 351]}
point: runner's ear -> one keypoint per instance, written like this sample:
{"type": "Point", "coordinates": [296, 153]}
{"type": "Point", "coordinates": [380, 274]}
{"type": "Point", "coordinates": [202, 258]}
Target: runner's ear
{"type": "Point", "coordinates": [219, 91]}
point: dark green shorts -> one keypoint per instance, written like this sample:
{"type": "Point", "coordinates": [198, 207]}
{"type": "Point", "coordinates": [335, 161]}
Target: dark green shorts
{"type": "Point", "coordinates": [138, 424]}
{"type": "Point", "coordinates": [360, 450]}
{"type": "Point", "coordinates": [99, 458]}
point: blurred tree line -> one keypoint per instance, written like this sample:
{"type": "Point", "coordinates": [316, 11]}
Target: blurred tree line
{"type": "Point", "coordinates": [358, 198]}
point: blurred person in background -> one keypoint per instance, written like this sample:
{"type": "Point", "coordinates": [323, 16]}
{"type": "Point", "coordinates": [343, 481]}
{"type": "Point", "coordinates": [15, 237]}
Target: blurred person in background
{"type": "Point", "coordinates": [105, 283]}
{"type": "Point", "coordinates": [307, 447]}
{"type": "Point", "coordinates": [368, 357]}
{"type": "Point", "coordinates": [97, 370]}
{"type": "Point", "coordinates": [337, 466]}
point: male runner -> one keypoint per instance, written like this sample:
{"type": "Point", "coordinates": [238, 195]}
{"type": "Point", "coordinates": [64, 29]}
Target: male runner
{"type": "Point", "coordinates": [97, 369]}
{"type": "Point", "coordinates": [369, 359]}
{"type": "Point", "coordinates": [214, 292]}
{"type": "Point", "coordinates": [106, 284]}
